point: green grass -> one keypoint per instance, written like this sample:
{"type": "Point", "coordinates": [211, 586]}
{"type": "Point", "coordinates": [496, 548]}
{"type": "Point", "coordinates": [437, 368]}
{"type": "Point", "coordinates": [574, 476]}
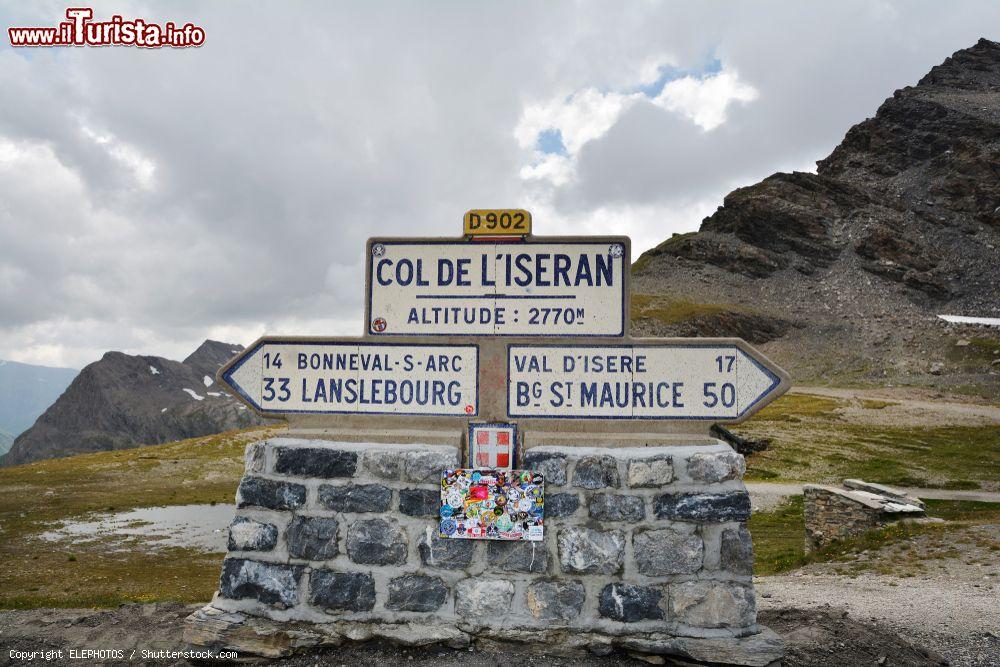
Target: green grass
{"type": "Point", "coordinates": [101, 573]}
{"type": "Point", "coordinates": [779, 537]}
{"type": "Point", "coordinates": [671, 311]}
{"type": "Point", "coordinates": [812, 441]}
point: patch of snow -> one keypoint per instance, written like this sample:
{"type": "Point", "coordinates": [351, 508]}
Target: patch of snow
{"type": "Point", "coordinates": [214, 393]}
{"type": "Point", "coordinates": [243, 407]}
{"type": "Point", "coordinates": [961, 319]}
{"type": "Point", "coordinates": [194, 395]}
{"type": "Point", "coordinates": [154, 370]}
{"type": "Point", "coordinates": [208, 381]}
{"type": "Point", "coordinates": [163, 410]}
{"type": "Point", "coordinates": [234, 351]}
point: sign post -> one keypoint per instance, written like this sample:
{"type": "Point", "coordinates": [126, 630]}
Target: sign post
{"type": "Point", "coordinates": [543, 287]}
{"type": "Point", "coordinates": [491, 369]}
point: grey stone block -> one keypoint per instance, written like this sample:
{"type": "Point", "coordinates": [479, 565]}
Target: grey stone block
{"type": "Point", "coordinates": [588, 551]}
{"type": "Point", "coordinates": [555, 600]}
{"type": "Point", "coordinates": [269, 583]}
{"type": "Point", "coordinates": [420, 502]}
{"type": "Point", "coordinates": [312, 537]}
{"type": "Point", "coordinates": [521, 556]}
{"type": "Point", "coordinates": [483, 598]}
{"type": "Point", "coordinates": [315, 462]}
{"type": "Point", "coordinates": [552, 466]}
{"type": "Point", "coordinates": [355, 497]}
{"type": "Point", "coordinates": [651, 472]}
{"type": "Point", "coordinates": [260, 492]}
{"type": "Point", "coordinates": [711, 467]}
{"type": "Point", "coordinates": [628, 603]}
{"type": "Point", "coordinates": [445, 553]}
{"type": "Point", "coordinates": [376, 542]}
{"type": "Point", "coordinates": [615, 507]}
{"type": "Point", "coordinates": [383, 463]}
{"type": "Point", "coordinates": [703, 507]}
{"type": "Point", "coordinates": [736, 550]}
{"type": "Point", "coordinates": [253, 458]}
{"type": "Point", "coordinates": [416, 592]}
{"type": "Point", "coordinates": [713, 604]}
{"type": "Point", "coordinates": [561, 504]}
{"type": "Point", "coordinates": [245, 534]}
{"type": "Point", "coordinates": [423, 467]}
{"type": "Point", "coordinates": [343, 591]}
{"type": "Point", "coordinates": [596, 472]}
{"type": "Point", "coordinates": [674, 550]}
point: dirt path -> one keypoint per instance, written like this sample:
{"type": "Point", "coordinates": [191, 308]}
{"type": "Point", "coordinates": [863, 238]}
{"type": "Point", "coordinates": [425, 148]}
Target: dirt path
{"type": "Point", "coordinates": [767, 495]}
{"type": "Point", "coordinates": [913, 400]}
{"type": "Point", "coordinates": [935, 590]}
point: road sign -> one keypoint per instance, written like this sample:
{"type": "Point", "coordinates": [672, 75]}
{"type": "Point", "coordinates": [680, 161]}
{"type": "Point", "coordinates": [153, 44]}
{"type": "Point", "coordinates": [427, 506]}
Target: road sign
{"type": "Point", "coordinates": [350, 376]}
{"type": "Point", "coordinates": [552, 287]}
{"type": "Point", "coordinates": [690, 380]}
{"type": "Point", "coordinates": [497, 222]}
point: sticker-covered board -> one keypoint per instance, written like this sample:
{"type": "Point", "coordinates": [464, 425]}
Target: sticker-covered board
{"type": "Point", "coordinates": [490, 504]}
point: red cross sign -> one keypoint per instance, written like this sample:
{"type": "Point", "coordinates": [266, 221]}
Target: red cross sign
{"type": "Point", "coordinates": [492, 445]}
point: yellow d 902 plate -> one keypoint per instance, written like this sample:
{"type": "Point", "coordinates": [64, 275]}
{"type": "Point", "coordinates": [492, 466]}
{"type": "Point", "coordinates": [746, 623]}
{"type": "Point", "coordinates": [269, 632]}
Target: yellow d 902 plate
{"type": "Point", "coordinates": [497, 222]}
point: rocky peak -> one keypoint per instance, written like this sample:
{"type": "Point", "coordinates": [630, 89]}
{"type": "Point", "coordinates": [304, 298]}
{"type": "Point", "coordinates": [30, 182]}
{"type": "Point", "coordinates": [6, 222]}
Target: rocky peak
{"type": "Point", "coordinates": [211, 356]}
{"type": "Point", "coordinates": [128, 400]}
{"type": "Point", "coordinates": [900, 223]}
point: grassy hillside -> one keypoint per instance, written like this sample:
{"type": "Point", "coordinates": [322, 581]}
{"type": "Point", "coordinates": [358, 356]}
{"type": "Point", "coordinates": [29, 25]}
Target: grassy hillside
{"type": "Point", "coordinates": [38, 573]}
{"type": "Point", "coordinates": [814, 438]}
{"type": "Point", "coordinates": [824, 439]}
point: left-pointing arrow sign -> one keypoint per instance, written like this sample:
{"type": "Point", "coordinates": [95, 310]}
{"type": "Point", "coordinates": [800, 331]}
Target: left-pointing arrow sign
{"type": "Point", "coordinates": [278, 376]}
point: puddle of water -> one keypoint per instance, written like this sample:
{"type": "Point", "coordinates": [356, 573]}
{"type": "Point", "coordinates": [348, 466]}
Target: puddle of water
{"type": "Point", "coordinates": [202, 527]}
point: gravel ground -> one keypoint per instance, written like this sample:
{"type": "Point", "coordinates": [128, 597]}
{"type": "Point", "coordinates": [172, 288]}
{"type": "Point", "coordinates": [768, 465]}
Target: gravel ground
{"type": "Point", "coordinates": [816, 638]}
{"type": "Point", "coordinates": [941, 595]}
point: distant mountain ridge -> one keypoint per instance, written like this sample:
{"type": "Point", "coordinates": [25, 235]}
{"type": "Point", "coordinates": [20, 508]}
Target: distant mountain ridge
{"type": "Point", "coordinates": [840, 275]}
{"type": "Point", "coordinates": [26, 390]}
{"type": "Point", "coordinates": [125, 401]}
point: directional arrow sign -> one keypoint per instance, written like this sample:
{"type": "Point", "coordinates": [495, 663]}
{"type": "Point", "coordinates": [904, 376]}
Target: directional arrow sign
{"type": "Point", "coordinates": [689, 380]}
{"type": "Point", "coordinates": [350, 376]}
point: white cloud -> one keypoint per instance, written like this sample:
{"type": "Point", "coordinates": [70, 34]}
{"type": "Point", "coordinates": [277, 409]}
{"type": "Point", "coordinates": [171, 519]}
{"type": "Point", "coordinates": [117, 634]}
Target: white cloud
{"type": "Point", "coordinates": [704, 100]}
{"type": "Point", "coordinates": [588, 115]}
{"type": "Point", "coordinates": [151, 199]}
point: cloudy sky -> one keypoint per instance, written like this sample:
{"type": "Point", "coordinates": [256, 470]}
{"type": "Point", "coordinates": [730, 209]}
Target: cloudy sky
{"type": "Point", "coordinates": [150, 199]}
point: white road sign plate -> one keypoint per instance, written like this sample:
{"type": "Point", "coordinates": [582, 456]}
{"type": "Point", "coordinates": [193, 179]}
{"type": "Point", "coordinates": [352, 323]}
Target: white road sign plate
{"type": "Point", "coordinates": [352, 377]}
{"type": "Point", "coordinates": [719, 382]}
{"type": "Point", "coordinates": [458, 288]}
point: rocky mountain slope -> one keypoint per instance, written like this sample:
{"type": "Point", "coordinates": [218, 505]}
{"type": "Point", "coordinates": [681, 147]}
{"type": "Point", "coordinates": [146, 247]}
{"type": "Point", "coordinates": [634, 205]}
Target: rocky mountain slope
{"type": "Point", "coordinates": [125, 401]}
{"type": "Point", "coordinates": [840, 275]}
{"type": "Point", "coordinates": [25, 391]}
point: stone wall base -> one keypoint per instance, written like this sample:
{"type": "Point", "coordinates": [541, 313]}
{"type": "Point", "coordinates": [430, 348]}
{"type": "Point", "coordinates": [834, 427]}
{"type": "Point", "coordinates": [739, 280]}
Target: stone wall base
{"type": "Point", "coordinates": [220, 630]}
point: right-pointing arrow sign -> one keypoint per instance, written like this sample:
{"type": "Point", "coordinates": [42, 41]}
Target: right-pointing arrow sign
{"type": "Point", "coordinates": [723, 381]}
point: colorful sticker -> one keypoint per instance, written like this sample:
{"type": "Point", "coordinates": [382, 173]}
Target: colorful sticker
{"type": "Point", "coordinates": [492, 504]}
